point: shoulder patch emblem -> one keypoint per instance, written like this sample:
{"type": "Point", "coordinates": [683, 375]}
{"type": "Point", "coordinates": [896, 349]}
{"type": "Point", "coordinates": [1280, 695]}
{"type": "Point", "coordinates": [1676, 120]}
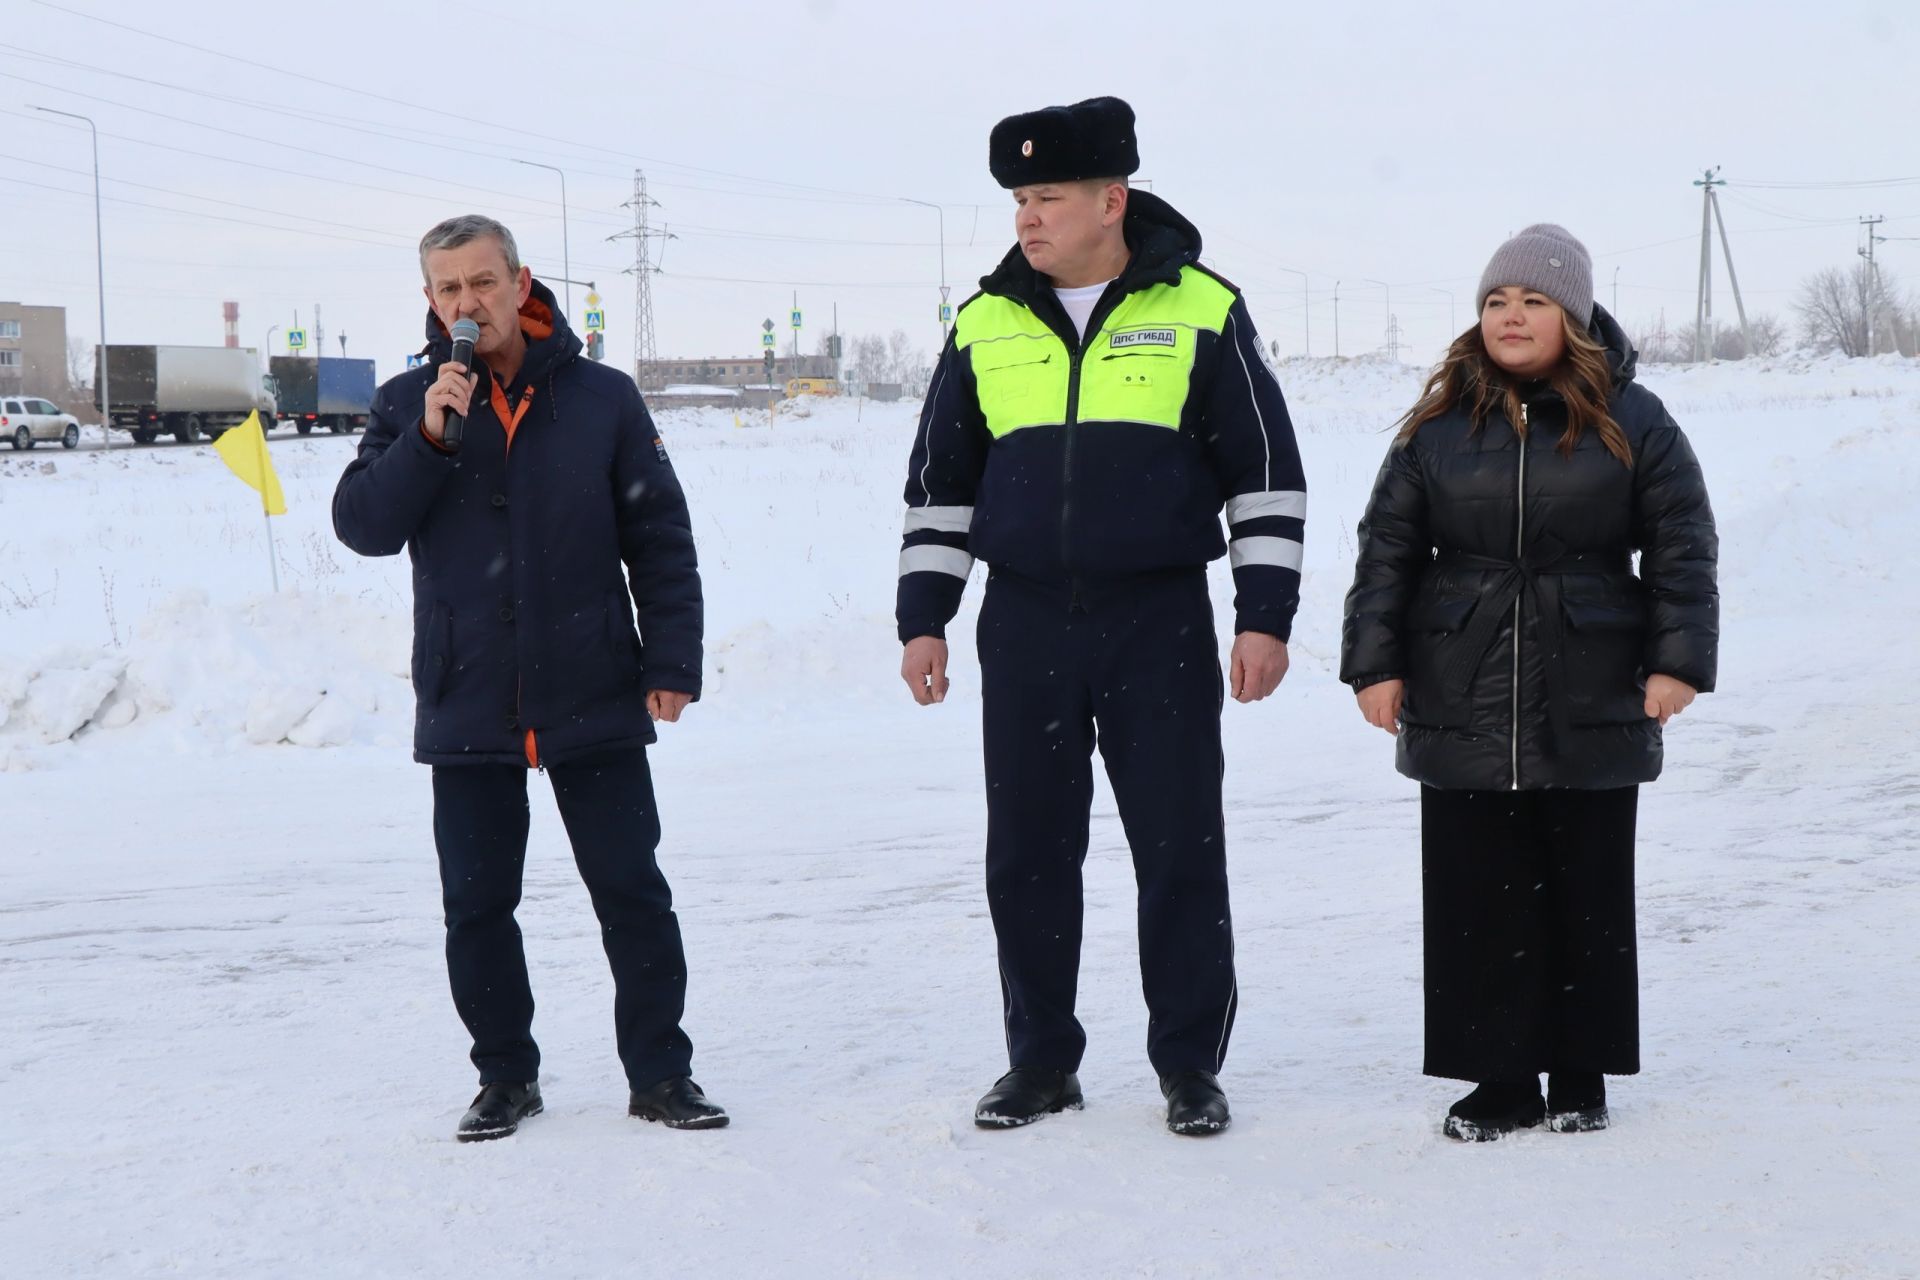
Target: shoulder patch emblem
{"type": "Point", "coordinates": [659, 449]}
{"type": "Point", "coordinates": [1145, 338]}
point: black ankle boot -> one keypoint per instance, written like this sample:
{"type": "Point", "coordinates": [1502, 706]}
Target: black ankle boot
{"type": "Point", "coordinates": [1025, 1094]}
{"type": "Point", "coordinates": [1496, 1109]}
{"type": "Point", "coordinates": [678, 1103]}
{"type": "Point", "coordinates": [1576, 1101]}
{"type": "Point", "coordinates": [498, 1110]}
{"type": "Point", "coordinates": [1196, 1105]}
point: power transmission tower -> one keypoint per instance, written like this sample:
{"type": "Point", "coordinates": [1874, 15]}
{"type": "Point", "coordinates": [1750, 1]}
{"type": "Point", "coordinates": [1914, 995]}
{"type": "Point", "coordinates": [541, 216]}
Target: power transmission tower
{"type": "Point", "coordinates": [1703, 306]}
{"type": "Point", "coordinates": [645, 349]}
{"type": "Point", "coordinates": [1873, 273]}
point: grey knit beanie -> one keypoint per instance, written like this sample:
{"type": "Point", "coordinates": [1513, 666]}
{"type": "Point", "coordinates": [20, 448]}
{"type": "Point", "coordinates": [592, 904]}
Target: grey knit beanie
{"type": "Point", "coordinates": [1546, 259]}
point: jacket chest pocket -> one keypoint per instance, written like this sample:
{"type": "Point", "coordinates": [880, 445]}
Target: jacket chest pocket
{"type": "Point", "coordinates": [1021, 382]}
{"type": "Point", "coordinates": [1606, 633]}
{"type": "Point", "coordinates": [1434, 636]}
{"type": "Point", "coordinates": [1145, 384]}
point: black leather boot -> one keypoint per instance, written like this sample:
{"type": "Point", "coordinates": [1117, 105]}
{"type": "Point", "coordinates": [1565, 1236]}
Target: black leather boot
{"type": "Point", "coordinates": [677, 1103]}
{"type": "Point", "coordinates": [1025, 1094]}
{"type": "Point", "coordinates": [1576, 1101]}
{"type": "Point", "coordinates": [498, 1110]}
{"type": "Point", "coordinates": [1196, 1105]}
{"type": "Point", "coordinates": [1496, 1109]}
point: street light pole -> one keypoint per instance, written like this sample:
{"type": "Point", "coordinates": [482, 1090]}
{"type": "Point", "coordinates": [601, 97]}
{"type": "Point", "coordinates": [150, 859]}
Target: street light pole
{"type": "Point", "coordinates": [1306, 305]}
{"type": "Point", "coordinates": [566, 250]}
{"type": "Point", "coordinates": [927, 204]}
{"type": "Point", "coordinates": [100, 274]}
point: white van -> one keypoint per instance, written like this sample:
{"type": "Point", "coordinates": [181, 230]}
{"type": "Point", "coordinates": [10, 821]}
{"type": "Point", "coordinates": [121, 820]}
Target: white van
{"type": "Point", "coordinates": [27, 421]}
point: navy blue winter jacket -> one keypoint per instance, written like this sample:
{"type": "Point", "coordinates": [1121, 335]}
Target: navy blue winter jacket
{"type": "Point", "coordinates": [524, 644]}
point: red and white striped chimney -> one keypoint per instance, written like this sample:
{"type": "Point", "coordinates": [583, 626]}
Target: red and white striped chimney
{"type": "Point", "coordinates": [231, 310]}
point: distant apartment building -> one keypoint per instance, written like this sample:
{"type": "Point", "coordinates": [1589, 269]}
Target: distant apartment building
{"type": "Point", "coordinates": [729, 371]}
{"type": "Point", "coordinates": [33, 350]}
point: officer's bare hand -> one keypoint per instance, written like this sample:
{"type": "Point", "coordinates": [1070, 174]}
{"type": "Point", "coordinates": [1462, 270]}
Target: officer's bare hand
{"type": "Point", "coordinates": [1380, 704]}
{"type": "Point", "coordinates": [667, 704]}
{"type": "Point", "coordinates": [924, 668]}
{"type": "Point", "coordinates": [1259, 662]}
{"type": "Point", "coordinates": [1667, 697]}
{"type": "Point", "coordinates": [453, 389]}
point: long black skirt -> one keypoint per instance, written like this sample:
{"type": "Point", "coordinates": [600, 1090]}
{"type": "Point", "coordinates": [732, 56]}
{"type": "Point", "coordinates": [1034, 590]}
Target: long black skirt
{"type": "Point", "coordinates": [1529, 937]}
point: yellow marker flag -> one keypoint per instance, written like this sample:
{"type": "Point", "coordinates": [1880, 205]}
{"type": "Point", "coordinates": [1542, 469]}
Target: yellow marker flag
{"type": "Point", "coordinates": [245, 450]}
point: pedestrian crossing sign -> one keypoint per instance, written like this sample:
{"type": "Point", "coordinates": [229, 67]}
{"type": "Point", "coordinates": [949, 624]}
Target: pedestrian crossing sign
{"type": "Point", "coordinates": [596, 321]}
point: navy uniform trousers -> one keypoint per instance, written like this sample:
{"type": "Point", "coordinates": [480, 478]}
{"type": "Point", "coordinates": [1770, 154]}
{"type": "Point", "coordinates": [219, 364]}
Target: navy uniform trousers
{"type": "Point", "coordinates": [480, 829]}
{"type": "Point", "coordinates": [1133, 667]}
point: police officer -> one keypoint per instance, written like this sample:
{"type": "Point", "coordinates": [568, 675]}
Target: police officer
{"type": "Point", "coordinates": [1099, 400]}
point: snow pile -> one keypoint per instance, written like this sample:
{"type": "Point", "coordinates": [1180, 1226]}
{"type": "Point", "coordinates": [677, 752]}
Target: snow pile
{"type": "Point", "coordinates": [797, 522]}
{"type": "Point", "coordinates": [310, 671]}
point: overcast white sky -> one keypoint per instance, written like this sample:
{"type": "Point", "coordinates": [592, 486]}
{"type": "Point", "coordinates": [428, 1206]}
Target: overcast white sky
{"type": "Point", "coordinates": [285, 156]}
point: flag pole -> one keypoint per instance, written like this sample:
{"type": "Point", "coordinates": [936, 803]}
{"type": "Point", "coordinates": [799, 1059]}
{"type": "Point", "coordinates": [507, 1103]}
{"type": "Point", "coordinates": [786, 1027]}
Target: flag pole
{"type": "Point", "coordinates": [273, 561]}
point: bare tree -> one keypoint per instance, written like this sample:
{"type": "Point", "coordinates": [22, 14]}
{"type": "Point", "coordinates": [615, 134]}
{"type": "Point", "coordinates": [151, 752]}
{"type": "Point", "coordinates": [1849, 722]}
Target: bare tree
{"type": "Point", "coordinates": [1851, 311]}
{"type": "Point", "coordinates": [1658, 344]}
{"type": "Point", "coordinates": [1730, 342]}
{"type": "Point", "coordinates": [79, 365]}
{"type": "Point", "coordinates": [1903, 327]}
{"type": "Point", "coordinates": [867, 359]}
{"type": "Point", "coordinates": [906, 363]}
{"type": "Point", "coordinates": [1769, 335]}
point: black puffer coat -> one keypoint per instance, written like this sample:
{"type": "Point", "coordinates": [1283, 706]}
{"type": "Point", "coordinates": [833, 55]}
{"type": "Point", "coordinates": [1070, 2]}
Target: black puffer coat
{"type": "Point", "coordinates": [1469, 536]}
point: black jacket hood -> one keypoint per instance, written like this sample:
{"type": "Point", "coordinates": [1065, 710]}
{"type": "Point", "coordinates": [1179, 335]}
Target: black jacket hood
{"type": "Point", "coordinates": [1161, 239]}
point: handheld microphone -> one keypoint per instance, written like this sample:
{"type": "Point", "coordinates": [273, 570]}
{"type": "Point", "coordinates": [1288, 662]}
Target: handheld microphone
{"type": "Point", "coordinates": [465, 334]}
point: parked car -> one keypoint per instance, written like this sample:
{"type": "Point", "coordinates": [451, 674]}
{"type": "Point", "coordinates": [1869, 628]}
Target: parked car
{"type": "Point", "coordinates": [27, 421]}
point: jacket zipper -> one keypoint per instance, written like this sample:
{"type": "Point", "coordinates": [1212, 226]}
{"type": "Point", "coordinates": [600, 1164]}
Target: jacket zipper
{"type": "Point", "coordinates": [1076, 350]}
{"type": "Point", "coordinates": [532, 743]}
{"type": "Point", "coordinates": [1519, 551]}
{"type": "Point", "coordinates": [1066, 464]}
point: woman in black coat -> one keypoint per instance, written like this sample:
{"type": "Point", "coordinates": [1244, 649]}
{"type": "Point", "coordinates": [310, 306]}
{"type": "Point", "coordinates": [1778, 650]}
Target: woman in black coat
{"type": "Point", "coordinates": [1497, 626]}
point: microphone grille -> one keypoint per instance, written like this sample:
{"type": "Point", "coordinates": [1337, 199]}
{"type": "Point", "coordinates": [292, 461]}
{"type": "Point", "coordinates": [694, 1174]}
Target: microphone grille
{"type": "Point", "coordinates": [465, 331]}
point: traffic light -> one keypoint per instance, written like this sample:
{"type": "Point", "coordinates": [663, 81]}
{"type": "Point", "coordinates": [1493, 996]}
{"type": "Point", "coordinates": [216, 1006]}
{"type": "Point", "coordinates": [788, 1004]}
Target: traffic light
{"type": "Point", "coordinates": [596, 343]}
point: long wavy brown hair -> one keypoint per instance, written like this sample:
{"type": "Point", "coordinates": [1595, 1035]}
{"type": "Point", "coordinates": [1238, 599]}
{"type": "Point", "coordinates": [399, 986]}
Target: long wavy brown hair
{"type": "Point", "coordinates": [1467, 376]}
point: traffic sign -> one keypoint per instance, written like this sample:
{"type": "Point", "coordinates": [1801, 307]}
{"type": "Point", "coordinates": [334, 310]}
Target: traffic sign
{"type": "Point", "coordinates": [593, 300]}
{"type": "Point", "coordinates": [946, 313]}
{"type": "Point", "coordinates": [415, 360]}
{"type": "Point", "coordinates": [596, 321]}
{"type": "Point", "coordinates": [766, 340]}
{"type": "Point", "coordinates": [796, 317]}
{"type": "Point", "coordinates": [767, 325]}
{"type": "Point", "coordinates": [296, 339]}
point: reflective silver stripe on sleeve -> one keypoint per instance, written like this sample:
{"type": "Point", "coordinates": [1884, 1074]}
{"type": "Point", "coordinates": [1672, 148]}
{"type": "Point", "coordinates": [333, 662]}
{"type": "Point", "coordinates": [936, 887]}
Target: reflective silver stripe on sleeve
{"type": "Point", "coordinates": [939, 519]}
{"type": "Point", "coordinates": [1281, 553]}
{"type": "Point", "coordinates": [1281, 502]}
{"type": "Point", "coordinates": [934, 559]}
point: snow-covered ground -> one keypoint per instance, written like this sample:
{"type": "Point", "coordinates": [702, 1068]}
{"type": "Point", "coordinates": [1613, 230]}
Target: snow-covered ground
{"type": "Point", "coordinates": [228, 1048]}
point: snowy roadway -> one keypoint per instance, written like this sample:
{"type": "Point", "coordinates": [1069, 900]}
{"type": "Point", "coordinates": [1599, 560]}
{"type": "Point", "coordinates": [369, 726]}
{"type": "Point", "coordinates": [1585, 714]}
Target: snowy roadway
{"type": "Point", "coordinates": [223, 1018]}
